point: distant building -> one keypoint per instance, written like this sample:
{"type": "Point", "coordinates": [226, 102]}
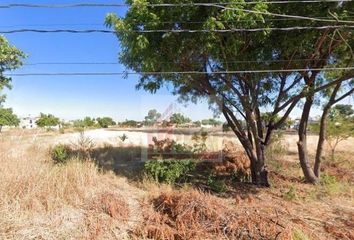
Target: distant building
{"type": "Point", "coordinates": [28, 122]}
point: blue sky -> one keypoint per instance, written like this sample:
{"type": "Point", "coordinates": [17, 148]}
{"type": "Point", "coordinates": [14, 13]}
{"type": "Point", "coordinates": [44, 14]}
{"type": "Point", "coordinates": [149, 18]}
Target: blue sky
{"type": "Point", "coordinates": [77, 97]}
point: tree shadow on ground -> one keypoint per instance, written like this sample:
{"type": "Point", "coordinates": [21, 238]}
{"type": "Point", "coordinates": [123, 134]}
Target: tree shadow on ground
{"type": "Point", "coordinates": [126, 161]}
{"type": "Point", "coordinates": [129, 162]}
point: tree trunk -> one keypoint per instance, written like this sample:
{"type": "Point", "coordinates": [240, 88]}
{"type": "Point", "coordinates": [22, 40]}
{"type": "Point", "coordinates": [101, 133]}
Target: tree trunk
{"type": "Point", "coordinates": [259, 173]}
{"type": "Point", "coordinates": [0, 128]}
{"type": "Point", "coordinates": [302, 143]}
{"type": "Point", "coordinates": [321, 140]}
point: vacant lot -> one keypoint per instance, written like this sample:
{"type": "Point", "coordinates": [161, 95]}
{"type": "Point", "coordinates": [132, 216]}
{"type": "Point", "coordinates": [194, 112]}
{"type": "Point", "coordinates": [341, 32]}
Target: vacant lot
{"type": "Point", "coordinates": [82, 200]}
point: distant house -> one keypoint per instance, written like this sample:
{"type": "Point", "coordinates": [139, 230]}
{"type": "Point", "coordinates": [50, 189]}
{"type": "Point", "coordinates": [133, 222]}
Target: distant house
{"type": "Point", "coordinates": [28, 122]}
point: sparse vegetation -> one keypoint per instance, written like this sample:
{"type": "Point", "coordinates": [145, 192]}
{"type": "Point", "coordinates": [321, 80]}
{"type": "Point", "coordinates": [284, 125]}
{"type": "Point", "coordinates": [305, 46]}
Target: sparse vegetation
{"type": "Point", "coordinates": [60, 153]}
{"type": "Point", "coordinates": [169, 171]}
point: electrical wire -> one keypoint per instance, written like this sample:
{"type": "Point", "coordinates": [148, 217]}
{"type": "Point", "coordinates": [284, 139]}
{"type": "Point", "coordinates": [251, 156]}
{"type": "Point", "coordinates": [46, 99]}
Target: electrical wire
{"type": "Point", "coordinates": [174, 30]}
{"type": "Point", "coordinates": [116, 63]}
{"type": "Point", "coordinates": [218, 5]}
{"type": "Point", "coordinates": [163, 22]}
{"type": "Point", "coordinates": [281, 15]}
{"type": "Point", "coordinates": [177, 72]}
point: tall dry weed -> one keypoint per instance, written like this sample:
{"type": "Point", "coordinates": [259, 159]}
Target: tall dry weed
{"type": "Point", "coordinates": [40, 200]}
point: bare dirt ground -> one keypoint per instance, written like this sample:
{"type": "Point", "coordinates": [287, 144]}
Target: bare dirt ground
{"type": "Point", "coordinates": [40, 200]}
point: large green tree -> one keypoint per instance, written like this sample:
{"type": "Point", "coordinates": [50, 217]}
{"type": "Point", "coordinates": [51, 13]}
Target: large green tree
{"type": "Point", "coordinates": [47, 120]}
{"type": "Point", "coordinates": [216, 52]}
{"type": "Point", "coordinates": [152, 117]}
{"type": "Point", "coordinates": [8, 118]}
{"type": "Point", "coordinates": [179, 118]}
{"type": "Point", "coordinates": [105, 122]}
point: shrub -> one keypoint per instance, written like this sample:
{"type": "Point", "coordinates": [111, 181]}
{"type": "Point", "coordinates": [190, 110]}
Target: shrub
{"type": "Point", "coordinates": [169, 171]}
{"type": "Point", "coordinates": [83, 146]}
{"type": "Point", "coordinates": [60, 153]}
{"type": "Point", "coordinates": [330, 184]}
{"type": "Point", "coordinates": [216, 185]}
{"type": "Point", "coordinates": [166, 148]}
{"type": "Point", "coordinates": [235, 163]}
{"type": "Point", "coordinates": [200, 139]}
{"type": "Point", "coordinates": [276, 150]}
{"type": "Point", "coordinates": [123, 137]}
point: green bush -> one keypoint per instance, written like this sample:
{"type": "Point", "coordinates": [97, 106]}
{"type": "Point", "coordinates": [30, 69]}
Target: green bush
{"type": "Point", "coordinates": [216, 185]}
{"type": "Point", "coordinates": [169, 171]}
{"type": "Point", "coordinates": [330, 184]}
{"type": "Point", "coordinates": [60, 153]}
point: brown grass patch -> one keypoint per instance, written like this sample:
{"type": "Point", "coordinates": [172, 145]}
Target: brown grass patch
{"type": "Point", "coordinates": [234, 160]}
{"type": "Point", "coordinates": [196, 215]}
{"type": "Point", "coordinates": [40, 200]}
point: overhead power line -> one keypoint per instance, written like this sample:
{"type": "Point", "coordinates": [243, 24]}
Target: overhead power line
{"type": "Point", "coordinates": [162, 22]}
{"type": "Point", "coordinates": [218, 5]}
{"type": "Point", "coordinates": [79, 5]}
{"type": "Point", "coordinates": [176, 72]}
{"type": "Point", "coordinates": [282, 15]}
{"type": "Point", "coordinates": [116, 63]}
{"type": "Point", "coordinates": [174, 30]}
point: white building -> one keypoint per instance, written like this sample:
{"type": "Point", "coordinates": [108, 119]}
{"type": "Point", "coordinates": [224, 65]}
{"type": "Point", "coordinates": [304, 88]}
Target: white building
{"type": "Point", "coordinates": [28, 122]}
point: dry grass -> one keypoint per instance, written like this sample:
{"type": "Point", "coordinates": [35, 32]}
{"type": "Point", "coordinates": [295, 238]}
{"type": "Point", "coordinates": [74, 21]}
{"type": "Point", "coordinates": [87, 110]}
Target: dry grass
{"type": "Point", "coordinates": [39, 200]}
{"type": "Point", "coordinates": [196, 215]}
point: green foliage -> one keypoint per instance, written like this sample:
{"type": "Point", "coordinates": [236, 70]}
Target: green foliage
{"type": "Point", "coordinates": [291, 194]}
{"type": "Point", "coordinates": [276, 149]}
{"type": "Point", "coordinates": [60, 153]}
{"type": "Point", "coordinates": [197, 123]}
{"type": "Point", "coordinates": [167, 147]}
{"type": "Point", "coordinates": [105, 122]}
{"type": "Point", "coordinates": [152, 117]}
{"type": "Point", "coordinates": [339, 127]}
{"type": "Point", "coordinates": [89, 122]}
{"type": "Point", "coordinates": [10, 59]}
{"type": "Point", "coordinates": [226, 127]}
{"type": "Point", "coordinates": [169, 171]}
{"type": "Point", "coordinates": [211, 121]}
{"type": "Point", "coordinates": [8, 118]}
{"type": "Point", "coordinates": [199, 139]}
{"type": "Point", "coordinates": [47, 120]}
{"type": "Point", "coordinates": [129, 123]}
{"type": "Point", "coordinates": [344, 110]}
{"type": "Point", "coordinates": [179, 119]}
{"type": "Point", "coordinates": [216, 185]}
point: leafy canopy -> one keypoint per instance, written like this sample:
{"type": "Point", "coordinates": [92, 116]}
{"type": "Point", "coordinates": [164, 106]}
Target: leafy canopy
{"type": "Point", "coordinates": [10, 59]}
{"type": "Point", "coordinates": [179, 118]}
{"type": "Point", "coordinates": [47, 120]}
{"type": "Point", "coordinates": [8, 118]}
{"type": "Point", "coordinates": [152, 117]}
{"type": "Point", "coordinates": [105, 122]}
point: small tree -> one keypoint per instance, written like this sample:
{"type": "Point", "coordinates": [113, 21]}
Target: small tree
{"type": "Point", "coordinates": [105, 122]}
{"type": "Point", "coordinates": [152, 117]}
{"type": "Point", "coordinates": [178, 118]}
{"type": "Point", "coordinates": [339, 128]}
{"type": "Point", "coordinates": [129, 123]}
{"type": "Point", "coordinates": [8, 118]}
{"type": "Point", "coordinates": [89, 122]}
{"type": "Point", "coordinates": [47, 120]}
